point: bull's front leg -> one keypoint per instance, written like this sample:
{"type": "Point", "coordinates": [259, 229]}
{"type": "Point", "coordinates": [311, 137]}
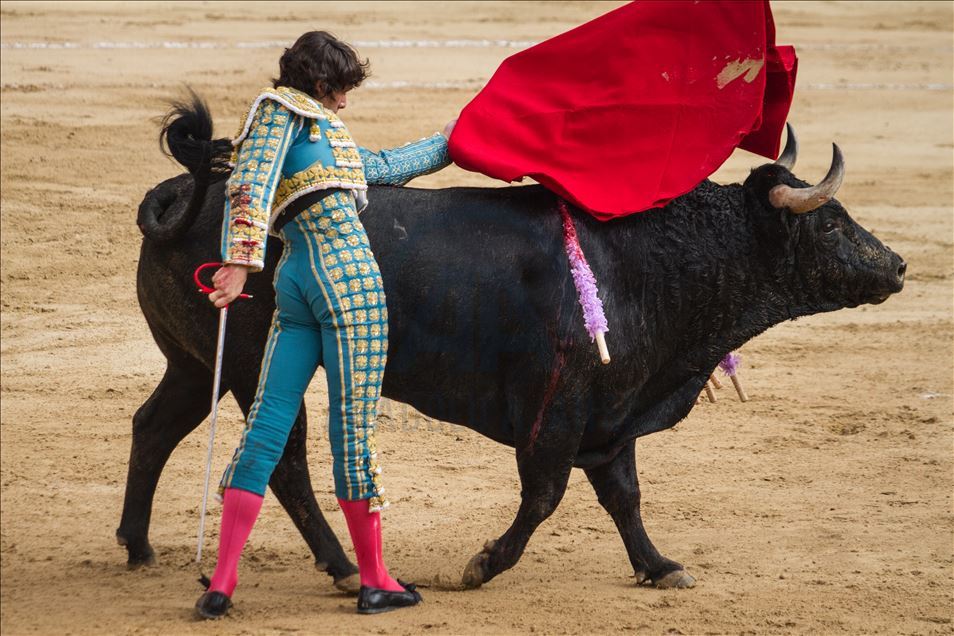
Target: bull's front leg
{"type": "Point", "coordinates": [544, 460]}
{"type": "Point", "coordinates": [617, 488]}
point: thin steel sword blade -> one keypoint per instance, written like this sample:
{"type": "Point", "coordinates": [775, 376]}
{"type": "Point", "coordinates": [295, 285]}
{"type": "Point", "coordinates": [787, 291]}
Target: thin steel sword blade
{"type": "Point", "coordinates": [219, 347]}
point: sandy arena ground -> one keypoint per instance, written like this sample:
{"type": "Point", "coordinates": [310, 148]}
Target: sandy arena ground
{"type": "Point", "coordinates": [823, 505]}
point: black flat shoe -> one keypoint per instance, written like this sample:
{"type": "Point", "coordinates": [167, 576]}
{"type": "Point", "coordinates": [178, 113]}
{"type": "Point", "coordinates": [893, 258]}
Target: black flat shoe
{"type": "Point", "coordinates": [372, 600]}
{"type": "Point", "coordinates": [213, 605]}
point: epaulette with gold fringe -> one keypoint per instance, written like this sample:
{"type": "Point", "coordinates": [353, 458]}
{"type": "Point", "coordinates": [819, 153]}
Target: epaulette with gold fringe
{"type": "Point", "coordinates": [292, 99]}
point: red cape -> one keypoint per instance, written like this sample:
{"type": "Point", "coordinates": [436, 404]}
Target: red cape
{"type": "Point", "coordinates": [634, 108]}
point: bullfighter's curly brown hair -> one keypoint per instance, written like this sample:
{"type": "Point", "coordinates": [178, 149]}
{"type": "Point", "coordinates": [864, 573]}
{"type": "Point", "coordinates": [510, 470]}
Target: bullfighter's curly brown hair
{"type": "Point", "coordinates": [319, 64]}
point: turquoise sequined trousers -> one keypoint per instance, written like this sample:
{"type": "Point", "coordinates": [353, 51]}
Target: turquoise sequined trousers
{"type": "Point", "coordinates": [330, 311]}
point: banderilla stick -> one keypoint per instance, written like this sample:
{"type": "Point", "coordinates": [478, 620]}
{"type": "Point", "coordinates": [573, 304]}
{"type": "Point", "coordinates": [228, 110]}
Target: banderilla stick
{"type": "Point", "coordinates": [730, 366]}
{"type": "Point", "coordinates": [601, 345]}
{"type": "Point", "coordinates": [738, 387]}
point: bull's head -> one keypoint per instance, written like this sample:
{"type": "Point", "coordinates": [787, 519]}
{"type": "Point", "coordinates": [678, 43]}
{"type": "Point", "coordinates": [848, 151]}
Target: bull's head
{"type": "Point", "coordinates": [830, 261]}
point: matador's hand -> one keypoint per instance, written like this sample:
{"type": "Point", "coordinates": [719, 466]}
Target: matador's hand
{"type": "Point", "coordinates": [229, 283]}
{"type": "Point", "coordinates": [449, 128]}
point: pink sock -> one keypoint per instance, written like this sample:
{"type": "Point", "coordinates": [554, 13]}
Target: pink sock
{"type": "Point", "coordinates": [365, 530]}
{"type": "Point", "coordinates": [239, 512]}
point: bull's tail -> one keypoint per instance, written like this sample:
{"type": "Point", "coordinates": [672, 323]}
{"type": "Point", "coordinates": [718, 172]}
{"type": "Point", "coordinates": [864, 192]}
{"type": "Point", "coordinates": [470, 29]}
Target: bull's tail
{"type": "Point", "coordinates": [165, 214]}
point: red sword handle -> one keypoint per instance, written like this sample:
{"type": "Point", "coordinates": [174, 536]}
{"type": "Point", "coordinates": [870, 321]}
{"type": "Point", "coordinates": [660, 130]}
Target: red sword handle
{"type": "Point", "coordinates": [205, 289]}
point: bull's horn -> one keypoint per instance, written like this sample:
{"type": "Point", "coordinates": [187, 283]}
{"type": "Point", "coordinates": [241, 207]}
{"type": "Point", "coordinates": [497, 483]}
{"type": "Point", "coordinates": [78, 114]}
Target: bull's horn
{"type": "Point", "coordinates": [790, 154]}
{"type": "Point", "coordinates": [802, 200]}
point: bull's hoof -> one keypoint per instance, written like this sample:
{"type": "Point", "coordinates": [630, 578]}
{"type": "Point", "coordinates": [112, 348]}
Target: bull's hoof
{"type": "Point", "coordinates": [476, 571]}
{"type": "Point", "coordinates": [139, 554]}
{"type": "Point", "coordinates": [139, 562]}
{"type": "Point", "coordinates": [641, 577]}
{"type": "Point", "coordinates": [677, 579]}
{"type": "Point", "coordinates": [350, 584]}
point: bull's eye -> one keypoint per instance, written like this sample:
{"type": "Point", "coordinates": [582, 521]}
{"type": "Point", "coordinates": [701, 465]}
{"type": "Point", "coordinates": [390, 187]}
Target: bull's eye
{"type": "Point", "coordinates": [829, 226]}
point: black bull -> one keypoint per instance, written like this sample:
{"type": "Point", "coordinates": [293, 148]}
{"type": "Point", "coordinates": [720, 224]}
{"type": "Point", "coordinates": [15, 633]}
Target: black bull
{"type": "Point", "coordinates": [486, 330]}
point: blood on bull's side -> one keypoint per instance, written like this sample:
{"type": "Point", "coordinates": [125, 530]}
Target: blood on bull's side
{"type": "Point", "coordinates": [486, 331]}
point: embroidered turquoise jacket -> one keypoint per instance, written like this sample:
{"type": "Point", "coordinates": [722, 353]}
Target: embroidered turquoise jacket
{"type": "Point", "coordinates": [289, 145]}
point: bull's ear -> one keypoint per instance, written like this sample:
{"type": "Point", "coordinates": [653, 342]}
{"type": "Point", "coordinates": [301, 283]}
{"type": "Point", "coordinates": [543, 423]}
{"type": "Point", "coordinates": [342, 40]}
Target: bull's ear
{"type": "Point", "coordinates": [775, 229]}
{"type": "Point", "coordinates": [763, 179]}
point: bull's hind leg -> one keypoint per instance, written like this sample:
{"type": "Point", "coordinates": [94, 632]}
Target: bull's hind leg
{"type": "Point", "coordinates": [544, 463]}
{"type": "Point", "coordinates": [291, 483]}
{"type": "Point", "coordinates": [175, 408]}
{"type": "Point", "coordinates": [617, 488]}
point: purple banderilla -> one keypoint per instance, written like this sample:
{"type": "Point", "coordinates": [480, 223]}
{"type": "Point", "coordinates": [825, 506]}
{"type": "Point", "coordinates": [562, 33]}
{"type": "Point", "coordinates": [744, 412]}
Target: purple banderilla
{"type": "Point", "coordinates": [730, 363]}
{"type": "Point", "coordinates": [593, 317]}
